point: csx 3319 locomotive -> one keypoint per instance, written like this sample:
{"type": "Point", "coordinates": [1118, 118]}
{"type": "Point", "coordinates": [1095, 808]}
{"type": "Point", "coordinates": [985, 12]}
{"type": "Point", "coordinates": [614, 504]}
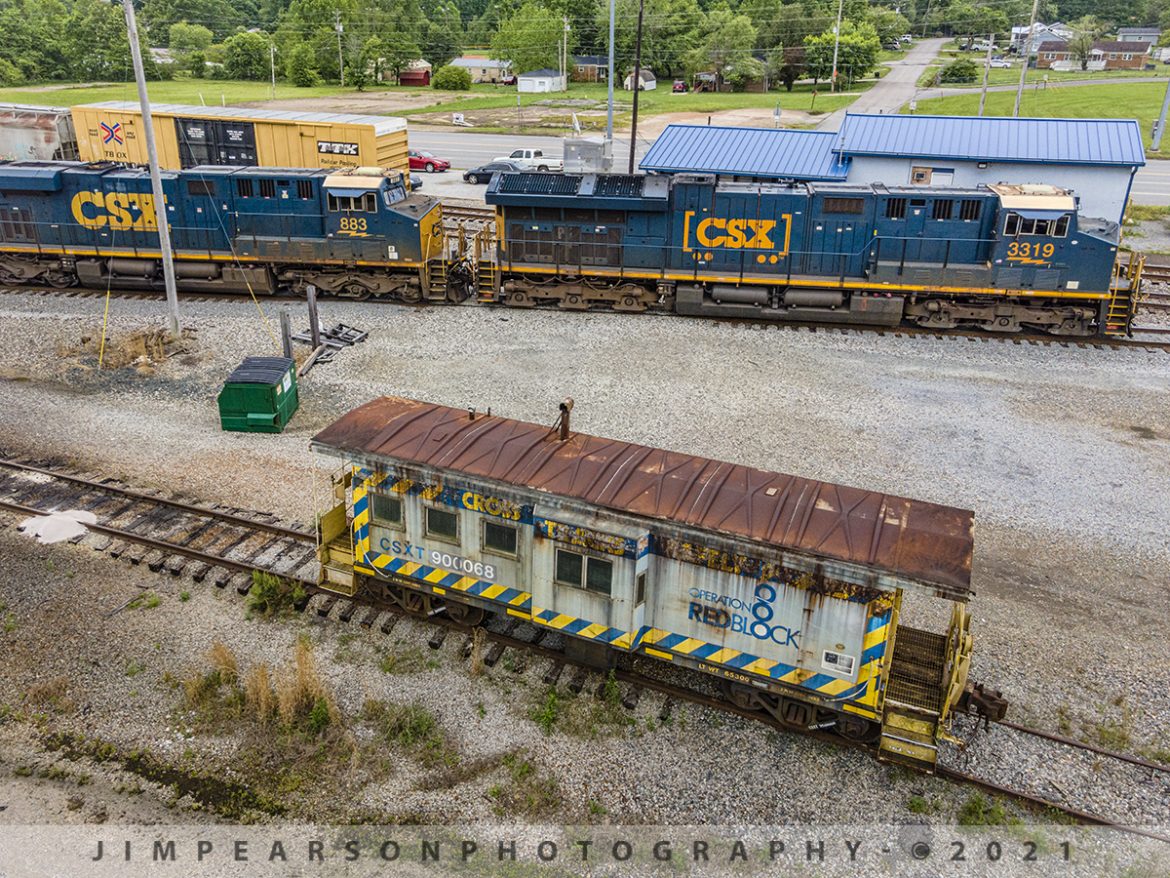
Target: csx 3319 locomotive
{"type": "Point", "coordinates": [1002, 258]}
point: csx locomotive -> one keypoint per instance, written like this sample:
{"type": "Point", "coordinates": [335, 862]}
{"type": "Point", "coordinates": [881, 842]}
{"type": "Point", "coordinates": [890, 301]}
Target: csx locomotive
{"type": "Point", "coordinates": [1001, 257]}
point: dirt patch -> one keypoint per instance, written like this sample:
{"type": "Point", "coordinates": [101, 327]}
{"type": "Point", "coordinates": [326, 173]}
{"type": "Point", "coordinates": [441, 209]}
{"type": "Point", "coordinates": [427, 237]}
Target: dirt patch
{"type": "Point", "coordinates": [372, 103]}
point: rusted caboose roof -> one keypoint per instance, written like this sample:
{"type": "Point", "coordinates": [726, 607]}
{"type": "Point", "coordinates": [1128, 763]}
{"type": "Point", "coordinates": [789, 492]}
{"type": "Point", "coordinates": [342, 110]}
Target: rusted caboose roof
{"type": "Point", "coordinates": [925, 542]}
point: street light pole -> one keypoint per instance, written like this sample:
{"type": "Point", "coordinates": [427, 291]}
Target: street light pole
{"type": "Point", "coordinates": [837, 43]}
{"type": "Point", "coordinates": [637, 81]}
{"type": "Point", "coordinates": [609, 115]}
{"type": "Point", "coordinates": [337, 26]}
{"type": "Point", "coordinates": [1027, 56]}
{"type": "Point", "coordinates": [160, 203]}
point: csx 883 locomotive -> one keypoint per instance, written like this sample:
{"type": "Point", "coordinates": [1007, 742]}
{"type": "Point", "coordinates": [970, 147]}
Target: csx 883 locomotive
{"type": "Point", "coordinates": [1002, 258]}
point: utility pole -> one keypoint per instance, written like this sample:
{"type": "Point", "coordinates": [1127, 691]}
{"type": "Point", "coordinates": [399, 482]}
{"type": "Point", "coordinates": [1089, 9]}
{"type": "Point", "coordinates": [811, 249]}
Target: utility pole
{"type": "Point", "coordinates": [565, 53]}
{"type": "Point", "coordinates": [636, 82]}
{"type": "Point", "coordinates": [837, 43]}
{"type": "Point", "coordinates": [609, 115]}
{"type": "Point", "coordinates": [1027, 56]}
{"type": "Point", "coordinates": [1156, 143]}
{"type": "Point", "coordinates": [160, 203]}
{"type": "Point", "coordinates": [337, 26]}
{"type": "Point", "coordinates": [986, 72]}
{"type": "Point", "coordinates": [272, 59]}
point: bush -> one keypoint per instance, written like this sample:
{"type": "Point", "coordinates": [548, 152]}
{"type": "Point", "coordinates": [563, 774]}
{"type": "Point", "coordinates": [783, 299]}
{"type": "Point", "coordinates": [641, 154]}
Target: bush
{"type": "Point", "coordinates": [271, 595]}
{"type": "Point", "coordinates": [301, 67]}
{"type": "Point", "coordinates": [962, 70]}
{"type": "Point", "coordinates": [450, 78]}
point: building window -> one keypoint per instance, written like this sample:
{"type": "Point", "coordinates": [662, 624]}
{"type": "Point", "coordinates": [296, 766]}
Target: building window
{"type": "Point", "coordinates": [304, 189]}
{"type": "Point", "coordinates": [442, 524]}
{"type": "Point", "coordinates": [844, 205]}
{"type": "Point", "coordinates": [387, 510]}
{"type": "Point", "coordinates": [969, 209]}
{"type": "Point", "coordinates": [267, 188]}
{"type": "Point", "coordinates": [920, 176]}
{"type": "Point", "coordinates": [581, 571]}
{"type": "Point", "coordinates": [244, 188]}
{"type": "Point", "coordinates": [1127, 57]}
{"type": "Point", "coordinates": [499, 538]}
{"type": "Point", "coordinates": [942, 208]}
{"type": "Point", "coordinates": [896, 208]}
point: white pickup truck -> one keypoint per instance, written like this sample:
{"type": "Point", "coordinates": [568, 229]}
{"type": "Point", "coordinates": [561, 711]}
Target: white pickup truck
{"type": "Point", "coordinates": [533, 160]}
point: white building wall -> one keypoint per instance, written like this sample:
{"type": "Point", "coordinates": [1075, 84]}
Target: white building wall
{"type": "Point", "coordinates": [540, 84]}
{"type": "Point", "coordinates": [1102, 190]}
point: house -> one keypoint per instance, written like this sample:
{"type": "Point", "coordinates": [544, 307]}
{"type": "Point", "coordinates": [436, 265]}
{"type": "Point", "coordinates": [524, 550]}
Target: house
{"type": "Point", "coordinates": [540, 81]}
{"type": "Point", "coordinates": [1106, 55]}
{"type": "Point", "coordinates": [484, 69]}
{"type": "Point", "coordinates": [1052, 54]}
{"type": "Point", "coordinates": [1040, 33]}
{"type": "Point", "coordinates": [590, 68]}
{"type": "Point", "coordinates": [1149, 35]}
{"type": "Point", "coordinates": [647, 81]}
{"type": "Point", "coordinates": [416, 72]}
{"type": "Point", "coordinates": [1121, 55]}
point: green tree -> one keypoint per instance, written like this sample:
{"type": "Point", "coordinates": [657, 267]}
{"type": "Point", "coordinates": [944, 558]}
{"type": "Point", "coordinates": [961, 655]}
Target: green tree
{"type": "Point", "coordinates": [669, 31]}
{"type": "Point", "coordinates": [859, 50]}
{"type": "Point", "coordinates": [246, 56]}
{"type": "Point", "coordinates": [1086, 30]}
{"type": "Point", "coordinates": [786, 65]}
{"type": "Point", "coordinates": [397, 50]}
{"type": "Point", "coordinates": [725, 48]}
{"type": "Point", "coordinates": [530, 38]}
{"type": "Point", "coordinates": [186, 38]}
{"type": "Point", "coordinates": [888, 23]}
{"type": "Point", "coordinates": [777, 23]}
{"type": "Point", "coordinates": [450, 78]}
{"type": "Point", "coordinates": [441, 43]}
{"type": "Point", "coordinates": [223, 17]}
{"type": "Point", "coordinates": [35, 41]}
{"type": "Point", "coordinates": [301, 66]}
{"type": "Point", "coordinates": [961, 70]}
{"type": "Point", "coordinates": [94, 39]}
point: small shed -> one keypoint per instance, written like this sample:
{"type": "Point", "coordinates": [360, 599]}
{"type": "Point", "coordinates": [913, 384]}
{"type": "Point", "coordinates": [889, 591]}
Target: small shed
{"type": "Point", "coordinates": [416, 72]}
{"type": "Point", "coordinates": [540, 81]}
{"type": "Point", "coordinates": [648, 81]}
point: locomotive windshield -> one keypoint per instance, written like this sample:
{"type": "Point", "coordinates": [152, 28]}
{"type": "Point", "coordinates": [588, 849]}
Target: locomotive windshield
{"type": "Point", "coordinates": [1046, 224]}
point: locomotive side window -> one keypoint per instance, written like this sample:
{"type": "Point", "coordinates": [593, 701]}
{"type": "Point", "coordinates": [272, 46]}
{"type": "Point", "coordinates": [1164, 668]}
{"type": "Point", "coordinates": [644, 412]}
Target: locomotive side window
{"type": "Point", "coordinates": [580, 571]}
{"type": "Point", "coordinates": [1024, 225]}
{"type": "Point", "coordinates": [304, 189]}
{"type": "Point", "coordinates": [200, 187]}
{"type": "Point", "coordinates": [499, 538]}
{"type": "Point", "coordinates": [387, 510]}
{"type": "Point", "coordinates": [244, 187]}
{"type": "Point", "coordinates": [969, 209]}
{"type": "Point", "coordinates": [267, 188]}
{"type": "Point", "coordinates": [1011, 226]}
{"type": "Point", "coordinates": [844, 205]}
{"type": "Point", "coordinates": [442, 524]}
{"type": "Point", "coordinates": [895, 208]}
{"type": "Point", "coordinates": [367, 203]}
{"type": "Point", "coordinates": [1061, 227]}
{"type": "Point", "coordinates": [942, 209]}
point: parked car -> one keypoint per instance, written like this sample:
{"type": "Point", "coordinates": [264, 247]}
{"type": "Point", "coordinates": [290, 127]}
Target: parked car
{"type": "Point", "coordinates": [999, 63]}
{"type": "Point", "coordinates": [484, 173]}
{"type": "Point", "coordinates": [508, 80]}
{"type": "Point", "coordinates": [680, 85]}
{"type": "Point", "coordinates": [416, 183]}
{"type": "Point", "coordinates": [532, 160]}
{"type": "Point", "coordinates": [421, 160]}
{"type": "Point", "coordinates": [906, 38]}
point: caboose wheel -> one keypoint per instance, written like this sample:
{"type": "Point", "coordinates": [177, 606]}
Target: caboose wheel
{"type": "Point", "coordinates": [743, 697]}
{"type": "Point", "coordinates": [465, 614]}
{"type": "Point", "coordinates": [857, 729]}
{"type": "Point", "coordinates": [414, 602]}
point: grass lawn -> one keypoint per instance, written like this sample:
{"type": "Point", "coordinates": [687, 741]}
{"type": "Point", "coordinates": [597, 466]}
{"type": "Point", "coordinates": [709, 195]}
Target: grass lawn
{"type": "Point", "coordinates": [1002, 76]}
{"type": "Point", "coordinates": [179, 91]}
{"type": "Point", "coordinates": [1136, 100]}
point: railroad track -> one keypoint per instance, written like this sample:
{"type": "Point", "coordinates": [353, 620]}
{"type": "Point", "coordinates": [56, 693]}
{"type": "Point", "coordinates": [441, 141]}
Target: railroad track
{"type": "Point", "coordinates": [467, 213]}
{"type": "Point", "coordinates": [189, 538]}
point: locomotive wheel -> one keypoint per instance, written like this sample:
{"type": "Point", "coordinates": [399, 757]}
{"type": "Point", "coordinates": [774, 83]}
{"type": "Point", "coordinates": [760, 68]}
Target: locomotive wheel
{"type": "Point", "coordinates": [574, 302]}
{"type": "Point", "coordinates": [60, 279]}
{"type": "Point", "coordinates": [411, 295]}
{"type": "Point", "coordinates": [465, 614]}
{"type": "Point", "coordinates": [743, 697]}
{"type": "Point", "coordinates": [519, 299]}
{"type": "Point", "coordinates": [356, 292]}
{"type": "Point", "coordinates": [629, 303]}
{"type": "Point", "coordinates": [857, 729]}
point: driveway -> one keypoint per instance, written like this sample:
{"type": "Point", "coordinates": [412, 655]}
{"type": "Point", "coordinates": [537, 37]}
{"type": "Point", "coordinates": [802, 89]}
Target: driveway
{"type": "Point", "coordinates": [895, 88]}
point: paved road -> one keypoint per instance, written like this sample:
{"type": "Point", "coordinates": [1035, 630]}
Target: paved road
{"type": "Point", "coordinates": [895, 88]}
{"type": "Point", "coordinates": [1152, 184]}
{"type": "Point", "coordinates": [466, 149]}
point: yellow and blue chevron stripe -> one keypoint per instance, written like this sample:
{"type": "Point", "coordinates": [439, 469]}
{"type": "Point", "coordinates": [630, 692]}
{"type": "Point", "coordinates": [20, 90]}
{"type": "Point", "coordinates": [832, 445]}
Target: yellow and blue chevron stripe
{"type": "Point", "coordinates": [615, 637]}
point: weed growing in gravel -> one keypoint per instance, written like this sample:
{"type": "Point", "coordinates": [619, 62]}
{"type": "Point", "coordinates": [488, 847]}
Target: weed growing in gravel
{"type": "Point", "coordinates": [980, 811]}
{"type": "Point", "coordinates": [134, 668]}
{"type": "Point", "coordinates": [479, 709]}
{"type": "Point", "coordinates": [51, 694]}
{"type": "Point", "coordinates": [184, 596]}
{"type": "Point", "coordinates": [527, 792]}
{"type": "Point", "coordinates": [405, 661]}
{"type": "Point", "coordinates": [596, 809]}
{"type": "Point", "coordinates": [918, 805]}
{"type": "Point", "coordinates": [1116, 734]}
{"type": "Point", "coordinates": [411, 727]}
{"type": "Point", "coordinates": [148, 600]}
{"type": "Point", "coordinates": [9, 623]}
{"type": "Point", "coordinates": [546, 715]}
{"type": "Point", "coordinates": [273, 596]}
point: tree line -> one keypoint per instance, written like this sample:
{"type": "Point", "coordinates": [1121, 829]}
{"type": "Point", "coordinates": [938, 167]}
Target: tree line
{"type": "Point", "coordinates": [317, 40]}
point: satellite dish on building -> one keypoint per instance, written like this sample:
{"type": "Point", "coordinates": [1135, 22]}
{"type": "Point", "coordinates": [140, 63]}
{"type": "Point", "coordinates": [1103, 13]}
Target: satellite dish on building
{"type": "Point", "coordinates": [576, 123]}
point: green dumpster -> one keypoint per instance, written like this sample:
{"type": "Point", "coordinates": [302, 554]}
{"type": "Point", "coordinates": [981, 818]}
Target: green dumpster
{"type": "Point", "coordinates": [260, 396]}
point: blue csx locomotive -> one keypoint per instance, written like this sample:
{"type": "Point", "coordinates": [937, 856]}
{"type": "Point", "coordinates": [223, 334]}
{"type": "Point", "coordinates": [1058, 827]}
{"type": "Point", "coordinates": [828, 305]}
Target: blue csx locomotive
{"type": "Point", "coordinates": [1003, 258]}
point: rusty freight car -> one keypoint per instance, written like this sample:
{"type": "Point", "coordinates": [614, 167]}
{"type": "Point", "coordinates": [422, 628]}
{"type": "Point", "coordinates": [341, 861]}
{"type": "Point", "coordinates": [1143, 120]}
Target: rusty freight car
{"type": "Point", "coordinates": [789, 590]}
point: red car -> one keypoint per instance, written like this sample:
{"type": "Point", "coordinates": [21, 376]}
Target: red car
{"type": "Point", "coordinates": [420, 160]}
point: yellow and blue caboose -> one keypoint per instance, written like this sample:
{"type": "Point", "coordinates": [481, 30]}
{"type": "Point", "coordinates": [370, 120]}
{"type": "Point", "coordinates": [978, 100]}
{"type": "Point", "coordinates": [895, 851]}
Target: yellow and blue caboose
{"type": "Point", "coordinates": [787, 589]}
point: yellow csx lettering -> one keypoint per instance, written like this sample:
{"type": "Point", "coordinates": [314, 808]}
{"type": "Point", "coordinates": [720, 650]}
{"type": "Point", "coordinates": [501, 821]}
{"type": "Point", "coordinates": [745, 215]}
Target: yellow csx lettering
{"type": "Point", "coordinates": [119, 211]}
{"type": "Point", "coordinates": [747, 234]}
{"type": "Point", "coordinates": [490, 506]}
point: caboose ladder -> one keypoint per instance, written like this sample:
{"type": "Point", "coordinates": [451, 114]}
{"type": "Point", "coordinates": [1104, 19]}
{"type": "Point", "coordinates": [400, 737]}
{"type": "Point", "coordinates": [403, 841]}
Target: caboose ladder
{"type": "Point", "coordinates": [913, 704]}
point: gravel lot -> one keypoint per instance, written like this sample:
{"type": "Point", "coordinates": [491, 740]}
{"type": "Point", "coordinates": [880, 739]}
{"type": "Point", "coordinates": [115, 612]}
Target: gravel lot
{"type": "Point", "coordinates": [1061, 452]}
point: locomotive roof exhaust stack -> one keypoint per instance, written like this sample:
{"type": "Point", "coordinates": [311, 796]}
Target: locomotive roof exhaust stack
{"type": "Point", "coordinates": [563, 421]}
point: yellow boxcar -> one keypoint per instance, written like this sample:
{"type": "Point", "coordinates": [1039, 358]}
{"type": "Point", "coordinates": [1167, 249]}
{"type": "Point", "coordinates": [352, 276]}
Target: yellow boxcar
{"type": "Point", "coordinates": [190, 136]}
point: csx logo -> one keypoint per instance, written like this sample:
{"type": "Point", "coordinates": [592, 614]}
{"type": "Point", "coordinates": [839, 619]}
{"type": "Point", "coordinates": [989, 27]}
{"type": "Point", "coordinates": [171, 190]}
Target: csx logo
{"type": "Point", "coordinates": [117, 210]}
{"type": "Point", "coordinates": [738, 233]}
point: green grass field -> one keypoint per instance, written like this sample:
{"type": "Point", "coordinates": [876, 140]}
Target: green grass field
{"type": "Point", "coordinates": [179, 91]}
{"type": "Point", "coordinates": [1136, 100]}
{"type": "Point", "coordinates": [1000, 76]}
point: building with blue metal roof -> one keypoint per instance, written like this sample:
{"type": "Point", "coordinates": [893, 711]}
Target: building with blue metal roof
{"type": "Point", "coordinates": [745, 153]}
{"type": "Point", "coordinates": [1095, 158]}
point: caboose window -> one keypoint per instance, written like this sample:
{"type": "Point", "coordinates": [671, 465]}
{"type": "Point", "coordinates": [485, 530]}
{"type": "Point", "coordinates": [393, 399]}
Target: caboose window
{"type": "Point", "coordinates": [442, 524]}
{"type": "Point", "coordinates": [580, 571]}
{"type": "Point", "coordinates": [844, 205]}
{"type": "Point", "coordinates": [499, 538]}
{"type": "Point", "coordinates": [387, 510]}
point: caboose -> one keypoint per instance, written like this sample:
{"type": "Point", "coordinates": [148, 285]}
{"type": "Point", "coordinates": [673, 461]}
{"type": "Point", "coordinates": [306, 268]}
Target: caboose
{"type": "Point", "coordinates": [1001, 257]}
{"type": "Point", "coordinates": [789, 591]}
